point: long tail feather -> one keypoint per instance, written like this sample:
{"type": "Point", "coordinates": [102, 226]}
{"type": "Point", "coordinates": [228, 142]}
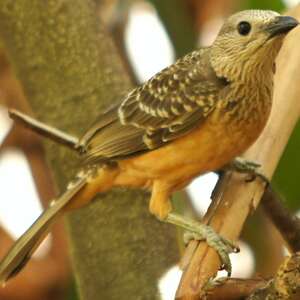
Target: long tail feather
{"type": "Point", "coordinates": [23, 248]}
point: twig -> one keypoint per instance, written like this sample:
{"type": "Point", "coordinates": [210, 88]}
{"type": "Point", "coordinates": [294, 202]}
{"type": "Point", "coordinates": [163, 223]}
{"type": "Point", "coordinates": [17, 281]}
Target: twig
{"type": "Point", "coordinates": [43, 129]}
{"type": "Point", "coordinates": [234, 289]}
{"type": "Point", "coordinates": [287, 223]}
{"type": "Point", "coordinates": [236, 198]}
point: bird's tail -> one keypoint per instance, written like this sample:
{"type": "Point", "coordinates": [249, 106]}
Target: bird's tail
{"type": "Point", "coordinates": [23, 248]}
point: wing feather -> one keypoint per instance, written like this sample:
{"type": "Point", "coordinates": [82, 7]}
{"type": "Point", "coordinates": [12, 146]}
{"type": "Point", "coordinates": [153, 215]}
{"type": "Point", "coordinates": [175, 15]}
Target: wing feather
{"type": "Point", "coordinates": [166, 107]}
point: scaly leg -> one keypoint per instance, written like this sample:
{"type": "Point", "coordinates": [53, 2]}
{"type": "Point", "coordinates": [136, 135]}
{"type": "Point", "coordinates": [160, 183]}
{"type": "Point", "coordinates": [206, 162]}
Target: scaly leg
{"type": "Point", "coordinates": [160, 206]}
{"type": "Point", "coordinates": [202, 232]}
{"type": "Point", "coordinates": [52, 133]}
{"type": "Point", "coordinates": [242, 165]}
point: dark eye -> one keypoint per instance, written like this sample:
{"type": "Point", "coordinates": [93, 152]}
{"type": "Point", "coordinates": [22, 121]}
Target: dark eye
{"type": "Point", "coordinates": [244, 28]}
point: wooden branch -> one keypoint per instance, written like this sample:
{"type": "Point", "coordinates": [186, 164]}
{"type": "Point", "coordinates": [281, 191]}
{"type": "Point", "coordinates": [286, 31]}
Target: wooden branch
{"type": "Point", "coordinates": [234, 289]}
{"type": "Point", "coordinates": [286, 283]}
{"type": "Point", "coordinates": [287, 223]}
{"type": "Point", "coordinates": [236, 199]}
{"type": "Point", "coordinates": [45, 130]}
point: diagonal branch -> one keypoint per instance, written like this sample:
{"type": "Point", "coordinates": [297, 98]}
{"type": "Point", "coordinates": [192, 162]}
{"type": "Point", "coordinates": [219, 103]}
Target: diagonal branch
{"type": "Point", "coordinates": [236, 199]}
{"type": "Point", "coordinates": [43, 129]}
{"type": "Point", "coordinates": [234, 288]}
{"type": "Point", "coordinates": [287, 223]}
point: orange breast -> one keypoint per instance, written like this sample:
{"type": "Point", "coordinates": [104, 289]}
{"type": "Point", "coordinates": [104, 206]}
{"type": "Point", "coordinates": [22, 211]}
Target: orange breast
{"type": "Point", "coordinates": [206, 148]}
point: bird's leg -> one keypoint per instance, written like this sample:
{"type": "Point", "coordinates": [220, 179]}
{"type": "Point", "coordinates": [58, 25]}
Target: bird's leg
{"type": "Point", "coordinates": [45, 130]}
{"type": "Point", "coordinates": [202, 232]}
{"type": "Point", "coordinates": [242, 165]}
{"type": "Point", "coordinates": [160, 206]}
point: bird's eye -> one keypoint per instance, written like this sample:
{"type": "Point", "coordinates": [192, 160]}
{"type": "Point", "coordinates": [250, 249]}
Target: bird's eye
{"type": "Point", "coordinates": [244, 28]}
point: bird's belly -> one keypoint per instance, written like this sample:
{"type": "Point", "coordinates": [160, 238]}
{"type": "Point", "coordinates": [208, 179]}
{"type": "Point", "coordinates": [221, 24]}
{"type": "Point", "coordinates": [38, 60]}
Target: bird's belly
{"type": "Point", "coordinates": [206, 148]}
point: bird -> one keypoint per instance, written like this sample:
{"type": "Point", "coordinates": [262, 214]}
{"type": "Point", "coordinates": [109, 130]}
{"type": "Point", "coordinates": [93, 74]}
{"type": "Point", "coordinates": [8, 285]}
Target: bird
{"type": "Point", "coordinates": [191, 118]}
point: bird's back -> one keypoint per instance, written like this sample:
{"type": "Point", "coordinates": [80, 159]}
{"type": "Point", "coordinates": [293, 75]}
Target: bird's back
{"type": "Point", "coordinates": [168, 106]}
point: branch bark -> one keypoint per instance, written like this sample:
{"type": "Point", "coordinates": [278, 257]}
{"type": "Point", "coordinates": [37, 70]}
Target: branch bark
{"type": "Point", "coordinates": [234, 289]}
{"type": "Point", "coordinates": [236, 199]}
{"type": "Point", "coordinates": [70, 71]}
{"type": "Point", "coordinates": [284, 286]}
{"type": "Point", "coordinates": [286, 283]}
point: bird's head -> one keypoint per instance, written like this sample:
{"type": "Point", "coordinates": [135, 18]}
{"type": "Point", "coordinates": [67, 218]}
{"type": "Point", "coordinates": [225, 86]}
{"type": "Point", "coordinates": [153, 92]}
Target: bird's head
{"type": "Point", "coordinates": [249, 42]}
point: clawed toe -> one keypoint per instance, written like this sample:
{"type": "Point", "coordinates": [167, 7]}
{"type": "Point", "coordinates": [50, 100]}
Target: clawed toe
{"type": "Point", "coordinates": [249, 167]}
{"type": "Point", "coordinates": [217, 242]}
{"type": "Point", "coordinates": [202, 232]}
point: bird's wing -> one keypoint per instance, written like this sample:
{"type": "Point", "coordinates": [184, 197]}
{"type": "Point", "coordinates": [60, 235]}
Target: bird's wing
{"type": "Point", "coordinates": [169, 105]}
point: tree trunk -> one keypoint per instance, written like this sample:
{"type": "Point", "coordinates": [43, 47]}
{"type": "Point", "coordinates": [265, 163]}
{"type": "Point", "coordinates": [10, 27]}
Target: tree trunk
{"type": "Point", "coordinates": [70, 71]}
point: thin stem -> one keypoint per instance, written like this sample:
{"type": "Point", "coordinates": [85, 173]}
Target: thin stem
{"type": "Point", "coordinates": [287, 223]}
{"type": "Point", "coordinates": [233, 288]}
{"type": "Point", "coordinates": [45, 130]}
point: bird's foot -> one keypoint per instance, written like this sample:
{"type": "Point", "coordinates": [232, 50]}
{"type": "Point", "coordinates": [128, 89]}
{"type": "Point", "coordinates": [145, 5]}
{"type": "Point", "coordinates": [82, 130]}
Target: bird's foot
{"type": "Point", "coordinates": [221, 245]}
{"type": "Point", "coordinates": [202, 232]}
{"type": "Point", "coordinates": [249, 167]}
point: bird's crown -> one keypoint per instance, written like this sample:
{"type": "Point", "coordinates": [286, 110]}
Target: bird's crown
{"type": "Point", "coordinates": [250, 38]}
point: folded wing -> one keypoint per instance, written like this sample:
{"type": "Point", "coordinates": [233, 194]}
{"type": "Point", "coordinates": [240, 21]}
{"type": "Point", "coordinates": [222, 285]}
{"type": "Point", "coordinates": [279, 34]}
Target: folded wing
{"type": "Point", "coordinates": [168, 106]}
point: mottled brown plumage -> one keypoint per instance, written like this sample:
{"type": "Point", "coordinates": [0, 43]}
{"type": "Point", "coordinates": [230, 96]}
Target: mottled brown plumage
{"type": "Point", "coordinates": [166, 107]}
{"type": "Point", "coordinates": [181, 97]}
{"type": "Point", "coordinates": [192, 117]}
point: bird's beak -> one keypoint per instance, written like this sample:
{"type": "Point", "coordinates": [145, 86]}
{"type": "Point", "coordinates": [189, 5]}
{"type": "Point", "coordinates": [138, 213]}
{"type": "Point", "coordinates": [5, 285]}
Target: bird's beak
{"type": "Point", "coordinates": [281, 25]}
